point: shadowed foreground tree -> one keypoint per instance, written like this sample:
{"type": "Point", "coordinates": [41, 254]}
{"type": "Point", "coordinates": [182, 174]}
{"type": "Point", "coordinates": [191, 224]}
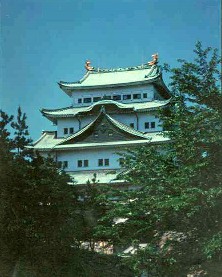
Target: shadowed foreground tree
{"type": "Point", "coordinates": [175, 209]}
{"type": "Point", "coordinates": [41, 222]}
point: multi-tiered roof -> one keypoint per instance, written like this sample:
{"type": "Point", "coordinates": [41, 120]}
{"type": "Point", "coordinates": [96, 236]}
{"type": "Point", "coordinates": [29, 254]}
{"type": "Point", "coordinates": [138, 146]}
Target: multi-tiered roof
{"type": "Point", "coordinates": [113, 78]}
{"type": "Point", "coordinates": [104, 131]}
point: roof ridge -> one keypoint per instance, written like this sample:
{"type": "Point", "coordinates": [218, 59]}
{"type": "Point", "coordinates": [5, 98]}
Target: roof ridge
{"type": "Point", "coordinates": [129, 68]}
{"type": "Point", "coordinates": [154, 69]}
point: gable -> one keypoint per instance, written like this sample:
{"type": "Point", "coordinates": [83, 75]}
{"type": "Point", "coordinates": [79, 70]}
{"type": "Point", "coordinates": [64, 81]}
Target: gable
{"type": "Point", "coordinates": [103, 130]}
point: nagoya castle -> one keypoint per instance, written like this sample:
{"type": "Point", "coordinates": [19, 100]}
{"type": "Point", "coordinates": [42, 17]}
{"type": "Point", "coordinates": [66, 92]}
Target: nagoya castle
{"type": "Point", "coordinates": [111, 110]}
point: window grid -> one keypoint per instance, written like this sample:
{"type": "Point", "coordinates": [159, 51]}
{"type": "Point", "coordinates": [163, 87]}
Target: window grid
{"type": "Point", "coordinates": [127, 96]}
{"type": "Point", "coordinates": [103, 162]}
{"type": "Point", "coordinates": [87, 100]}
{"type": "Point", "coordinates": [150, 125]}
{"type": "Point", "coordinates": [116, 97]}
{"type": "Point", "coordinates": [100, 162]}
{"type": "Point", "coordinates": [137, 96]}
{"type": "Point", "coordinates": [83, 163]}
{"type": "Point", "coordinates": [79, 163]}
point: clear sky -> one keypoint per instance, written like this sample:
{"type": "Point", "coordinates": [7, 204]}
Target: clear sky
{"type": "Point", "coordinates": [45, 41]}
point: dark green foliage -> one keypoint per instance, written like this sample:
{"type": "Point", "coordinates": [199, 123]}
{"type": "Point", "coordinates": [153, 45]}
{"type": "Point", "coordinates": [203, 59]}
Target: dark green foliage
{"type": "Point", "coordinates": [42, 220]}
{"type": "Point", "coordinates": [175, 202]}
{"type": "Point", "coordinates": [21, 133]}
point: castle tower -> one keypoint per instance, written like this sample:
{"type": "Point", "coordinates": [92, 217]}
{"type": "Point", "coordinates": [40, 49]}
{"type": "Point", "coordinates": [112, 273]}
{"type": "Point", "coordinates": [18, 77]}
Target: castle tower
{"type": "Point", "coordinates": [112, 110]}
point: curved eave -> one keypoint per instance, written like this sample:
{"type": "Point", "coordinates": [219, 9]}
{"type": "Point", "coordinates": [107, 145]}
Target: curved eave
{"type": "Point", "coordinates": [162, 88]}
{"type": "Point", "coordinates": [68, 89]}
{"type": "Point", "coordinates": [115, 144]}
{"type": "Point", "coordinates": [83, 146]}
{"type": "Point", "coordinates": [122, 106]}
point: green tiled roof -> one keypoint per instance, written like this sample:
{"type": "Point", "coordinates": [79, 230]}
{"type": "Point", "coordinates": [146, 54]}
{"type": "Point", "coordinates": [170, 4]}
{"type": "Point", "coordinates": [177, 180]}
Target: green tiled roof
{"type": "Point", "coordinates": [115, 77]}
{"type": "Point", "coordinates": [48, 141]}
{"type": "Point", "coordinates": [73, 111]}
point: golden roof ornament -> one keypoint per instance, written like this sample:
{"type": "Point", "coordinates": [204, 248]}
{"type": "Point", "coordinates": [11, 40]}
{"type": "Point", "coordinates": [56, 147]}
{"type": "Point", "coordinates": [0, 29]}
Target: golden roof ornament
{"type": "Point", "coordinates": [154, 60]}
{"type": "Point", "coordinates": [88, 67]}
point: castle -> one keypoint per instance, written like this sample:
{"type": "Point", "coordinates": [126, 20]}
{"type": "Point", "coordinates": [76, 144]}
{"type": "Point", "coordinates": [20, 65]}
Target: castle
{"type": "Point", "coordinates": [111, 110]}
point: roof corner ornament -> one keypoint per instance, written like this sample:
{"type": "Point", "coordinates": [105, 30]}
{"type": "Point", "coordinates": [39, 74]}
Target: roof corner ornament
{"type": "Point", "coordinates": [88, 67]}
{"type": "Point", "coordinates": [154, 60]}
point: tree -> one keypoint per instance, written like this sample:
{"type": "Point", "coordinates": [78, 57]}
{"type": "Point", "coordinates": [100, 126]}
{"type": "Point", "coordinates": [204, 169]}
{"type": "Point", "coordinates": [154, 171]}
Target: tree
{"type": "Point", "coordinates": [21, 133]}
{"type": "Point", "coordinates": [175, 205]}
{"type": "Point", "coordinates": [36, 200]}
{"type": "Point", "coordinates": [42, 222]}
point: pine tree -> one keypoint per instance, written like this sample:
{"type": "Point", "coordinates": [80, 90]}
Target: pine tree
{"type": "Point", "coordinates": [21, 133]}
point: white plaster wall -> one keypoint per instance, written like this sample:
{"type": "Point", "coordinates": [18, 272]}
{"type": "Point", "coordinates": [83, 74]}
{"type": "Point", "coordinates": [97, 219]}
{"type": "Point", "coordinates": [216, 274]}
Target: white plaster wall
{"type": "Point", "coordinates": [92, 155]}
{"type": "Point", "coordinates": [66, 123]}
{"type": "Point", "coordinates": [72, 122]}
{"type": "Point", "coordinates": [87, 119]}
{"type": "Point", "coordinates": [148, 118]}
{"type": "Point", "coordinates": [149, 89]}
{"type": "Point", "coordinates": [126, 118]}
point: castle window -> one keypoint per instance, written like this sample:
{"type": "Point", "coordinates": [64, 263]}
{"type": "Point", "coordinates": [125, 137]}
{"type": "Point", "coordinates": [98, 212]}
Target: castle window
{"type": "Point", "coordinates": [87, 100]}
{"type": "Point", "coordinates": [131, 125]}
{"type": "Point", "coordinates": [107, 97]}
{"type": "Point", "coordinates": [79, 163]}
{"type": "Point", "coordinates": [153, 125]}
{"type": "Point", "coordinates": [147, 125]}
{"type": "Point", "coordinates": [103, 162]}
{"type": "Point", "coordinates": [100, 162]}
{"type": "Point", "coordinates": [137, 96]}
{"type": "Point", "coordinates": [80, 100]}
{"type": "Point", "coordinates": [126, 96]}
{"type": "Point", "coordinates": [65, 131]}
{"type": "Point", "coordinates": [116, 97]}
{"type": "Point", "coordinates": [96, 99]}
{"type": "Point", "coordinates": [83, 163]}
{"type": "Point", "coordinates": [71, 130]}
{"type": "Point", "coordinates": [145, 95]}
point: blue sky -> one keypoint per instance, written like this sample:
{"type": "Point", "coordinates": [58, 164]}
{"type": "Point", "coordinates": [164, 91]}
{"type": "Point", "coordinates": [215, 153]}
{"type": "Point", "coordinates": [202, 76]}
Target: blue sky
{"type": "Point", "coordinates": [45, 41]}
